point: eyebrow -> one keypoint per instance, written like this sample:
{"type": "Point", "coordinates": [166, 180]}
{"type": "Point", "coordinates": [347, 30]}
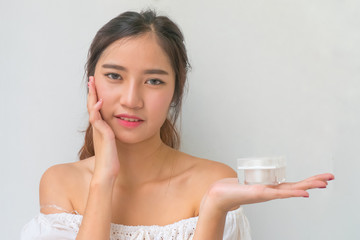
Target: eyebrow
{"type": "Point", "coordinates": [147, 71]}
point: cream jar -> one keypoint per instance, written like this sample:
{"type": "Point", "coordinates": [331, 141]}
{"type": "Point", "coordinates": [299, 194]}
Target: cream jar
{"type": "Point", "coordinates": [265, 170]}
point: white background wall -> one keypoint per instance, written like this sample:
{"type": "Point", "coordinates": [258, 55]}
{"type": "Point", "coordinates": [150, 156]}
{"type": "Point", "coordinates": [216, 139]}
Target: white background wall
{"type": "Point", "coordinates": [269, 78]}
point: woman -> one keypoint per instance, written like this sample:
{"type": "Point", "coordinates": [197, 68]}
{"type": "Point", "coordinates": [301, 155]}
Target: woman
{"type": "Point", "coordinates": [131, 182]}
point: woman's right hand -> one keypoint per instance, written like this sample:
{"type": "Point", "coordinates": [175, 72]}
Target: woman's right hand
{"type": "Point", "coordinates": [107, 164]}
{"type": "Point", "coordinates": [97, 216]}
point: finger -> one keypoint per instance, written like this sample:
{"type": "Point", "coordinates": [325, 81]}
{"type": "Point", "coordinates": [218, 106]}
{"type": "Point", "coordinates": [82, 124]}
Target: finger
{"type": "Point", "coordinates": [94, 112]}
{"type": "Point", "coordinates": [92, 95]}
{"type": "Point", "coordinates": [303, 185]}
{"type": "Point", "coordinates": [317, 181]}
{"type": "Point", "coordinates": [322, 177]}
{"type": "Point", "coordinates": [94, 105]}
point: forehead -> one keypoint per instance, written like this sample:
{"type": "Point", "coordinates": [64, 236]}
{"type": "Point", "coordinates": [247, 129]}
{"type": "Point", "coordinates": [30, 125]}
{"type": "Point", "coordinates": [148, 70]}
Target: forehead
{"type": "Point", "coordinates": [137, 52]}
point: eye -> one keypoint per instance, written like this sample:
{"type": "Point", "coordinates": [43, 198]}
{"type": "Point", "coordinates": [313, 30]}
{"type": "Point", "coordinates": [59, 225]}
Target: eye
{"type": "Point", "coordinates": [154, 81]}
{"type": "Point", "coordinates": [114, 76]}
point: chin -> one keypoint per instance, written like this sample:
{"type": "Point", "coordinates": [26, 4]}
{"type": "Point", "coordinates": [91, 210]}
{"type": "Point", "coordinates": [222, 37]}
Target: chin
{"type": "Point", "coordinates": [133, 138]}
{"type": "Point", "coordinates": [128, 140]}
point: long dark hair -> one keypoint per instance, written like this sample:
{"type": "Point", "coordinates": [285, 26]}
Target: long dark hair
{"type": "Point", "coordinates": [170, 38]}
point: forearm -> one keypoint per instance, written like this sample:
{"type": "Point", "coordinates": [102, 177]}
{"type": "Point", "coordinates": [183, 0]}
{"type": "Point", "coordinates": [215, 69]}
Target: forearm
{"type": "Point", "coordinates": [97, 216]}
{"type": "Point", "coordinates": [210, 225]}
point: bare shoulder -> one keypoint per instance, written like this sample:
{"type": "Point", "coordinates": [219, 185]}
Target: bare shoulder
{"type": "Point", "coordinates": [202, 174]}
{"type": "Point", "coordinates": [212, 170]}
{"type": "Point", "coordinates": [209, 171]}
{"type": "Point", "coordinates": [59, 183]}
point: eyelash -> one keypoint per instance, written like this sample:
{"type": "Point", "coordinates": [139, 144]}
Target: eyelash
{"type": "Point", "coordinates": [159, 82]}
{"type": "Point", "coordinates": [115, 76]}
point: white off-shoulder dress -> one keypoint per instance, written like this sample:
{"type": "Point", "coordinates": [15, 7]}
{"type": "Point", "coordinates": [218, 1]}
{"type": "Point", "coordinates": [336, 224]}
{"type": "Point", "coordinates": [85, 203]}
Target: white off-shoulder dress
{"type": "Point", "coordinates": [65, 226]}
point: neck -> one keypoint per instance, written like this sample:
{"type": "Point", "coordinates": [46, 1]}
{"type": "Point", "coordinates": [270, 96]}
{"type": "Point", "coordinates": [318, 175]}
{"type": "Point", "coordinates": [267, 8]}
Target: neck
{"type": "Point", "coordinates": [143, 162]}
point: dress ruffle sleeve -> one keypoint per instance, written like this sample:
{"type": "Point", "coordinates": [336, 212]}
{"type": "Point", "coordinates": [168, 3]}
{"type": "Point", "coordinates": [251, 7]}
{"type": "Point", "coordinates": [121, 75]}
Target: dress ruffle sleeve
{"type": "Point", "coordinates": [236, 226]}
{"type": "Point", "coordinates": [49, 227]}
{"type": "Point", "coordinates": [65, 226]}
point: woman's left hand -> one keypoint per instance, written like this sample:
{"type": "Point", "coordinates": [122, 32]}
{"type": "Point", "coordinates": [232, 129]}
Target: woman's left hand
{"type": "Point", "coordinates": [227, 194]}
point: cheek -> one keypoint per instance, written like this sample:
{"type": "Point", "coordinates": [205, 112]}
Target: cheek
{"type": "Point", "coordinates": [100, 88]}
{"type": "Point", "coordinates": [103, 91]}
{"type": "Point", "coordinates": [160, 104]}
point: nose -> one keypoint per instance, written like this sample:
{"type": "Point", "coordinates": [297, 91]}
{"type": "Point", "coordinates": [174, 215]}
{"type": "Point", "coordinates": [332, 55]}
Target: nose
{"type": "Point", "coordinates": [131, 96]}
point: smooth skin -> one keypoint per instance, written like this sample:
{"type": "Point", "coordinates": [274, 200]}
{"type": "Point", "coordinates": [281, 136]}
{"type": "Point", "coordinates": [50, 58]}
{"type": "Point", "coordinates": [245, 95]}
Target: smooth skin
{"type": "Point", "coordinates": [134, 178]}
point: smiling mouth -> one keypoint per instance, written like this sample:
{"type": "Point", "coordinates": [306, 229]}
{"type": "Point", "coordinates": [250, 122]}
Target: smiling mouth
{"type": "Point", "coordinates": [130, 119]}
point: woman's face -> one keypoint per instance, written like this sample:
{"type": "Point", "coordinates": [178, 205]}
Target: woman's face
{"type": "Point", "coordinates": [135, 79]}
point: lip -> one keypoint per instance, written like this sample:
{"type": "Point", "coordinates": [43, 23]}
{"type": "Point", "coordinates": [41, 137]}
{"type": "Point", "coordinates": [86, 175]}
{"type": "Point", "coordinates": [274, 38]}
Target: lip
{"type": "Point", "coordinates": [128, 116]}
{"type": "Point", "coordinates": [128, 124]}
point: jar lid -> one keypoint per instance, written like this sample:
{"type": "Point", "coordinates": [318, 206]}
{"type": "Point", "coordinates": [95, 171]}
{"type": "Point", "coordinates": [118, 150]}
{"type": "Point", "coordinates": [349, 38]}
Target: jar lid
{"type": "Point", "coordinates": [261, 163]}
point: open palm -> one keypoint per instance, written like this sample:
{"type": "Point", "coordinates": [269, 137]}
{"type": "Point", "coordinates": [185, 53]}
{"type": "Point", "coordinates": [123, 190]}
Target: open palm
{"type": "Point", "coordinates": [227, 194]}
